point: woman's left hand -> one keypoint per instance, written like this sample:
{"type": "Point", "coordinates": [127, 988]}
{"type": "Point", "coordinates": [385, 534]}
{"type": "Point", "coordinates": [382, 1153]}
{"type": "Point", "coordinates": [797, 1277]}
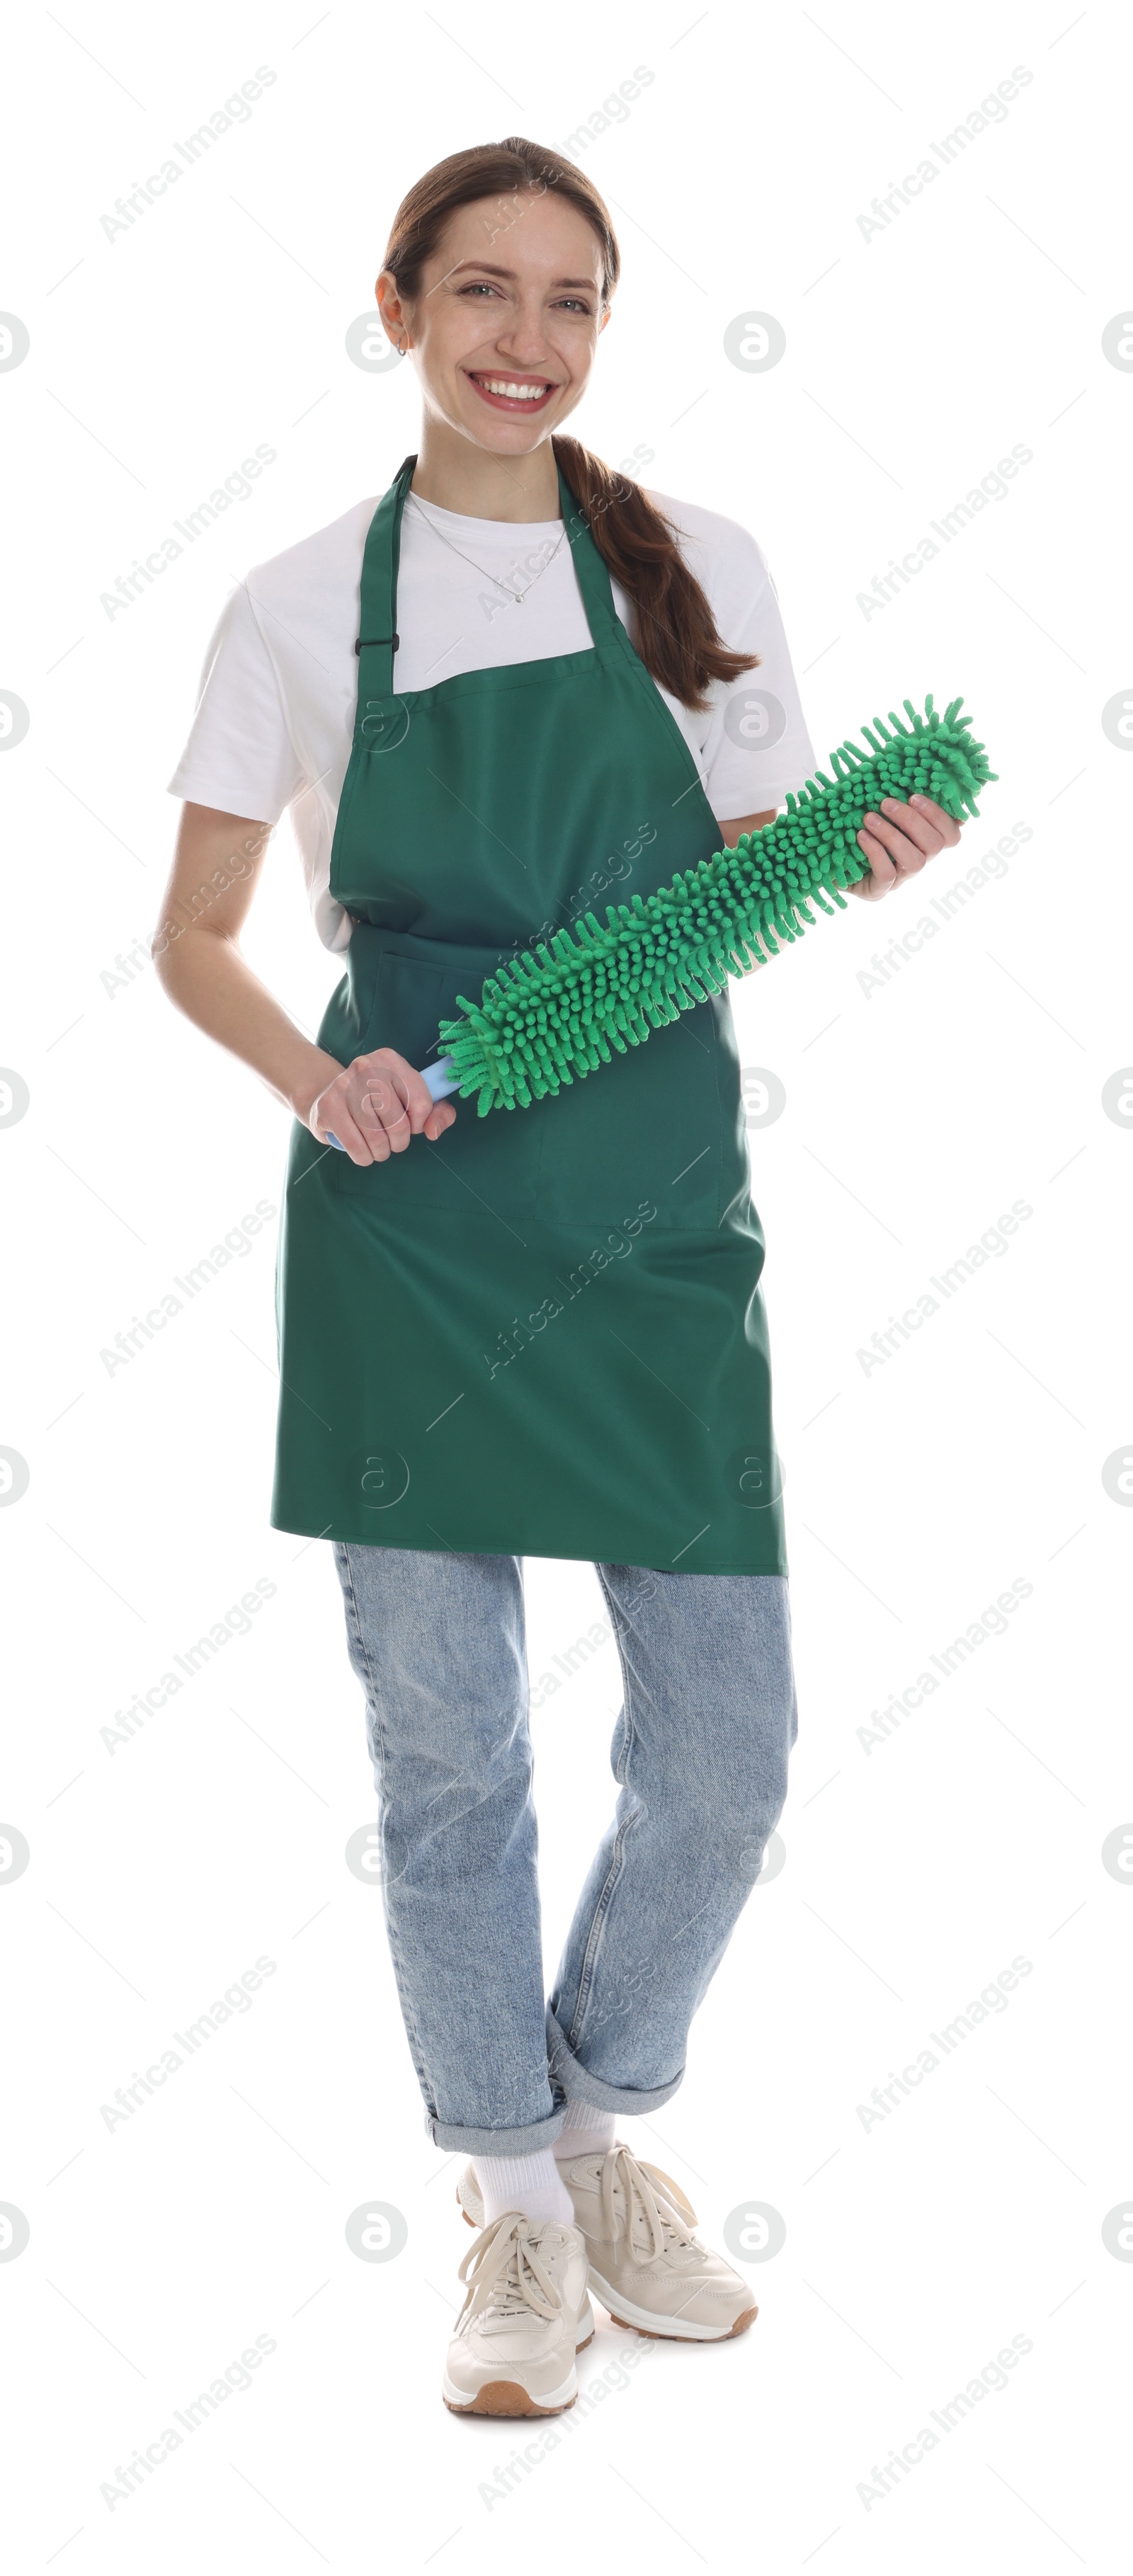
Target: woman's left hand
{"type": "Point", "coordinates": [897, 839]}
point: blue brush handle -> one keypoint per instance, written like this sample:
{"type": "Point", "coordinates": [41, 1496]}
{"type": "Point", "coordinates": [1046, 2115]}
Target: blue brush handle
{"type": "Point", "coordinates": [438, 1080]}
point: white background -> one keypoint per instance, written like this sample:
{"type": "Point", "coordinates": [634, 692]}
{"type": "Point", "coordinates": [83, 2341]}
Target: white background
{"type": "Point", "coordinates": [917, 1868]}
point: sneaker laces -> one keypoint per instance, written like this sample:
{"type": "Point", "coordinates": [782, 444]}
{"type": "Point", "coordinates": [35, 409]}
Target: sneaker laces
{"type": "Point", "coordinates": [505, 2274]}
{"type": "Point", "coordinates": [648, 2194]}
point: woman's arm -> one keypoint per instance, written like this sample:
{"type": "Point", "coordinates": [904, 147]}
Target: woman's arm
{"type": "Point", "coordinates": [730, 832]}
{"type": "Point", "coordinates": [374, 1105]}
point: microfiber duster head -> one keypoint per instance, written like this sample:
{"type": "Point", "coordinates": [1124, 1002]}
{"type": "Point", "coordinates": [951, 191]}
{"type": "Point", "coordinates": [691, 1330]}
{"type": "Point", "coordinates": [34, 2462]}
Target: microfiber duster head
{"type": "Point", "coordinates": [552, 1017]}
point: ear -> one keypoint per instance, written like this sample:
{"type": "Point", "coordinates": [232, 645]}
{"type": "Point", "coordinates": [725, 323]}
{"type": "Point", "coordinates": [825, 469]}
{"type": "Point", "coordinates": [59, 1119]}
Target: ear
{"type": "Point", "coordinates": [395, 319]}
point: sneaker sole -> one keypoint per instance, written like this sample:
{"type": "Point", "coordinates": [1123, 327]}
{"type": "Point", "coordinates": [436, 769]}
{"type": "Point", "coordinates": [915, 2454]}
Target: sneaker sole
{"type": "Point", "coordinates": [504, 2397]}
{"type": "Point", "coordinates": [642, 2321]}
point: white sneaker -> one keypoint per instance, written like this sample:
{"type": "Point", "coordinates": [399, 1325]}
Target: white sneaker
{"type": "Point", "coordinates": [645, 2264]}
{"type": "Point", "coordinates": [525, 2315]}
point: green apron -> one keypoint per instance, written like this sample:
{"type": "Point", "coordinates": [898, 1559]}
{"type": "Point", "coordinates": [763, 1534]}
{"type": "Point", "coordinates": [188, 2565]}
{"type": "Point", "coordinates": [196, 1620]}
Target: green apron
{"type": "Point", "coordinates": [545, 1334]}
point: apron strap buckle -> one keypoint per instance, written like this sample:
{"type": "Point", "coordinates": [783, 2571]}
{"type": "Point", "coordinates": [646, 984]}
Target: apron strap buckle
{"type": "Point", "coordinates": [365, 640]}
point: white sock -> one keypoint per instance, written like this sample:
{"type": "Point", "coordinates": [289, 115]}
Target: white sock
{"type": "Point", "coordinates": [585, 2132]}
{"type": "Point", "coordinates": [532, 2184]}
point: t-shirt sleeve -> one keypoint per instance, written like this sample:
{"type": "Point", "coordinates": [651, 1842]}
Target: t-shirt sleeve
{"type": "Point", "coordinates": [239, 755]}
{"type": "Point", "coordinates": [757, 746]}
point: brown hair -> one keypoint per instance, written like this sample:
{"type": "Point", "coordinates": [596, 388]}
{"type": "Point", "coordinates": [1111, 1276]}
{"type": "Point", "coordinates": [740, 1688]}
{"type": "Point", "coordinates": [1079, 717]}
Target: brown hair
{"type": "Point", "coordinates": [677, 637]}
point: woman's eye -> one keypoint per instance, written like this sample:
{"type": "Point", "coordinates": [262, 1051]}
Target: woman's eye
{"type": "Point", "coordinates": [485, 286]}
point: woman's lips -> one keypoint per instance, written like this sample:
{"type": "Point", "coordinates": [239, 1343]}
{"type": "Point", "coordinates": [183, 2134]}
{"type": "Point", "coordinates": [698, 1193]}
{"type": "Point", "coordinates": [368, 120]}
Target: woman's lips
{"type": "Point", "coordinates": [483, 383]}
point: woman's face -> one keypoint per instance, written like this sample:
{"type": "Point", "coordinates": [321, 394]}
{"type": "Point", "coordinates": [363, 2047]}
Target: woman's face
{"type": "Point", "coordinates": [505, 325]}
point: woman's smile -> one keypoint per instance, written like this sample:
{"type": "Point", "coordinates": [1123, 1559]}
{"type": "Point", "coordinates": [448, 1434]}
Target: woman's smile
{"type": "Point", "coordinates": [511, 393]}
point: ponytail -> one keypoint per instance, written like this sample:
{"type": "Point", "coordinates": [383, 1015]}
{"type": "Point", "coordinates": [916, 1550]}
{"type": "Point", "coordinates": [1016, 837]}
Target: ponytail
{"type": "Point", "coordinates": [676, 632]}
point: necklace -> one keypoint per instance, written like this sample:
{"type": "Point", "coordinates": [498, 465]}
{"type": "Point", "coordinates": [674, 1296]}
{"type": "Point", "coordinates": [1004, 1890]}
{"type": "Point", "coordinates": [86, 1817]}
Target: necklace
{"type": "Point", "coordinates": [516, 597]}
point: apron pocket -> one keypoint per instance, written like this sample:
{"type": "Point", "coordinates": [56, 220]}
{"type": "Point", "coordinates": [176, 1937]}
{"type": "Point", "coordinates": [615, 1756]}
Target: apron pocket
{"type": "Point", "coordinates": [406, 1008]}
{"type": "Point", "coordinates": [657, 1125]}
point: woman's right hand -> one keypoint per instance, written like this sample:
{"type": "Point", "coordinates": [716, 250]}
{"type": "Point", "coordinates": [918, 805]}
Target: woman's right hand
{"type": "Point", "coordinates": [376, 1106]}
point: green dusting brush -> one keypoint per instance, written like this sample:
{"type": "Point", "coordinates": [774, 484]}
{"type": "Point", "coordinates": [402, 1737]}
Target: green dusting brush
{"type": "Point", "coordinates": [552, 1017]}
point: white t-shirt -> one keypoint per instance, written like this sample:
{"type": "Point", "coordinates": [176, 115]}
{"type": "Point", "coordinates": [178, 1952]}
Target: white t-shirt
{"type": "Point", "coordinates": [275, 711]}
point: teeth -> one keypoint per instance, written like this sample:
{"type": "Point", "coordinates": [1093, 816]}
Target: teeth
{"type": "Point", "coordinates": [518, 393]}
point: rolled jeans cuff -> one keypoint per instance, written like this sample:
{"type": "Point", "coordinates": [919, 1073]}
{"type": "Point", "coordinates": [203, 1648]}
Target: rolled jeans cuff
{"type": "Point", "coordinates": [495, 2142]}
{"type": "Point", "coordinates": [579, 2085]}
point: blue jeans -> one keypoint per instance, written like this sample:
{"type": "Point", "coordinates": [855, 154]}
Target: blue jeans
{"type": "Point", "coordinates": [700, 1757]}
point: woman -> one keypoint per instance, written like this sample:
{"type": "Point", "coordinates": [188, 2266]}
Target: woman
{"type": "Point", "coordinates": [539, 1333]}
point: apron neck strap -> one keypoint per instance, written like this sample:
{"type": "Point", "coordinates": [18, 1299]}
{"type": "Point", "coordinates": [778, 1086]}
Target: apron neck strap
{"type": "Point", "coordinates": [377, 631]}
{"type": "Point", "coordinates": [591, 571]}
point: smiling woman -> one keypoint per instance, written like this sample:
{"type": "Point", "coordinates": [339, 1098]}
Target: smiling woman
{"type": "Point", "coordinates": [492, 244]}
{"type": "Point", "coordinates": [550, 676]}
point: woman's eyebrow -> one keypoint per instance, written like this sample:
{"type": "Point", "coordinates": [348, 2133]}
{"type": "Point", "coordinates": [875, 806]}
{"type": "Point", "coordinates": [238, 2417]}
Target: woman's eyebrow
{"type": "Point", "coordinates": [487, 268]}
